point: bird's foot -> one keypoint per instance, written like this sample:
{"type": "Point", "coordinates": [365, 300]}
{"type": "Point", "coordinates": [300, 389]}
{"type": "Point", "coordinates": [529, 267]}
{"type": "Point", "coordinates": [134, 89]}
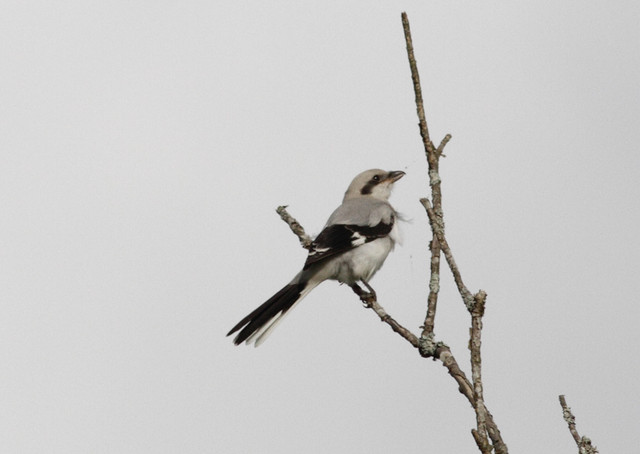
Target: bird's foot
{"type": "Point", "coordinates": [367, 298]}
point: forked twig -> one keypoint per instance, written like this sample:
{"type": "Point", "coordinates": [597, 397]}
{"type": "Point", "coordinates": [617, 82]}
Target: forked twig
{"type": "Point", "coordinates": [432, 155]}
{"type": "Point", "coordinates": [475, 304]}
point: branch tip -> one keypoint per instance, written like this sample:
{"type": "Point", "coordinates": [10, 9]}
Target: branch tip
{"type": "Point", "coordinates": [295, 226]}
{"type": "Point", "coordinates": [583, 443]}
{"type": "Point", "coordinates": [443, 144]}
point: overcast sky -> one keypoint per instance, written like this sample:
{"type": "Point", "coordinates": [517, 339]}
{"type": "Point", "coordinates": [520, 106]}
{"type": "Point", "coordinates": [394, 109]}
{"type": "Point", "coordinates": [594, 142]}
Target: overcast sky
{"type": "Point", "coordinates": [145, 145]}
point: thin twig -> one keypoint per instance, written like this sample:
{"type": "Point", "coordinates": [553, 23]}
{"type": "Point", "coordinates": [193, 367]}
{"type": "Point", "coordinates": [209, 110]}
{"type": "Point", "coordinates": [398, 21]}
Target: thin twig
{"type": "Point", "coordinates": [584, 443]}
{"type": "Point", "coordinates": [570, 419]}
{"type": "Point", "coordinates": [470, 302]}
{"type": "Point", "coordinates": [295, 226]}
{"type": "Point", "coordinates": [415, 76]}
{"type": "Point", "coordinates": [373, 304]}
{"type": "Point", "coordinates": [464, 386]}
{"type": "Point", "coordinates": [443, 144]}
{"type": "Point", "coordinates": [438, 230]}
{"type": "Point", "coordinates": [433, 156]}
{"type": "Point", "coordinates": [443, 353]}
{"type": "Point", "coordinates": [476, 372]}
{"type": "Point", "coordinates": [434, 288]}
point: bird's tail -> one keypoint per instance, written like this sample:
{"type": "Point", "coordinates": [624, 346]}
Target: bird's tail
{"type": "Point", "coordinates": [257, 326]}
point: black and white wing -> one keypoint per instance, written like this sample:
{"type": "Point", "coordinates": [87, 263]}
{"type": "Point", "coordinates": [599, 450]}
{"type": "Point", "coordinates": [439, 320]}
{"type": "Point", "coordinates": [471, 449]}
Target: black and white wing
{"type": "Point", "coordinates": [338, 238]}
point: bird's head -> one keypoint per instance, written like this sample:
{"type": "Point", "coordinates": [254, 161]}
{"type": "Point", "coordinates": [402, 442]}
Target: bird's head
{"type": "Point", "coordinates": [375, 183]}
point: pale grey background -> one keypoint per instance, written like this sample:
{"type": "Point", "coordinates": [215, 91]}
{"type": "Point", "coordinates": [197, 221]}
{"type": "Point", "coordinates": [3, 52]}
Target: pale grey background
{"type": "Point", "coordinates": [145, 145]}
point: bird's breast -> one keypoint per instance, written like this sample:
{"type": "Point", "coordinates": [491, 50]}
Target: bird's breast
{"type": "Point", "coordinates": [363, 262]}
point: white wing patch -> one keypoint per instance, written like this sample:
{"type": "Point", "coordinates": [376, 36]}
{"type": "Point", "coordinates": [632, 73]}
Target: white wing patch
{"type": "Point", "coordinates": [357, 239]}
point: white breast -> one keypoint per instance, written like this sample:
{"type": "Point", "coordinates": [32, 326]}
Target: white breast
{"type": "Point", "coordinates": [362, 262]}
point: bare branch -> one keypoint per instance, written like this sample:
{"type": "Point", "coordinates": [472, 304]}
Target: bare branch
{"type": "Point", "coordinates": [372, 303]}
{"type": "Point", "coordinates": [476, 372]}
{"type": "Point", "coordinates": [443, 144]}
{"type": "Point", "coordinates": [424, 130]}
{"type": "Point", "coordinates": [433, 156]}
{"type": "Point", "coordinates": [475, 305]}
{"type": "Point", "coordinates": [434, 288]}
{"type": "Point", "coordinates": [295, 226]}
{"type": "Point", "coordinates": [443, 353]}
{"type": "Point", "coordinates": [584, 443]}
{"type": "Point", "coordinates": [438, 230]}
{"type": "Point", "coordinates": [569, 418]}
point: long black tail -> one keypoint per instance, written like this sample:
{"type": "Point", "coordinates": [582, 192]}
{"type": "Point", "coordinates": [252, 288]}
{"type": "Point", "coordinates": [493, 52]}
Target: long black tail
{"type": "Point", "coordinates": [266, 315]}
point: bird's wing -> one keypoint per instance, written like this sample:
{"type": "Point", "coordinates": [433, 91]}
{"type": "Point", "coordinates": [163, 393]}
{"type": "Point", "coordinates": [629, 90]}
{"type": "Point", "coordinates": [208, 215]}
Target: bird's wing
{"type": "Point", "coordinates": [338, 238]}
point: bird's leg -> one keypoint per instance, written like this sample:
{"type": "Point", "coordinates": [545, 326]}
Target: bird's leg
{"type": "Point", "coordinates": [356, 288]}
{"type": "Point", "coordinates": [372, 292]}
{"type": "Point", "coordinates": [365, 297]}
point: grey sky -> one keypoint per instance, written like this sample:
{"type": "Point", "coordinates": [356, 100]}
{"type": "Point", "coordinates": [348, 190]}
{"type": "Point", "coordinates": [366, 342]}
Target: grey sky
{"type": "Point", "coordinates": [145, 145]}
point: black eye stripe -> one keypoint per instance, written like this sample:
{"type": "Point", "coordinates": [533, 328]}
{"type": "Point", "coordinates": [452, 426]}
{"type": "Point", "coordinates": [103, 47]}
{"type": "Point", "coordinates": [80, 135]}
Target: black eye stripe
{"type": "Point", "coordinates": [368, 188]}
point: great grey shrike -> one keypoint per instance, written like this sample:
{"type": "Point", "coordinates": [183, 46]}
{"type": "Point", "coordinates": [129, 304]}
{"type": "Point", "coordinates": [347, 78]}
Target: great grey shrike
{"type": "Point", "coordinates": [352, 247]}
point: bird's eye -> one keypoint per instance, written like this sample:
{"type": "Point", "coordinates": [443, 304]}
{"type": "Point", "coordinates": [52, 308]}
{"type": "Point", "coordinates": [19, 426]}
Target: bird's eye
{"type": "Point", "coordinates": [376, 178]}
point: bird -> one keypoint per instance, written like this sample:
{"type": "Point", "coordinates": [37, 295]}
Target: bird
{"type": "Point", "coordinates": [351, 248]}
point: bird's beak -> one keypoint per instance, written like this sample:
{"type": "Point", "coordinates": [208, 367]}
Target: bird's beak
{"type": "Point", "coordinates": [395, 175]}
